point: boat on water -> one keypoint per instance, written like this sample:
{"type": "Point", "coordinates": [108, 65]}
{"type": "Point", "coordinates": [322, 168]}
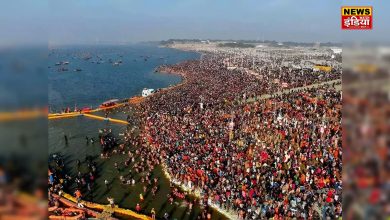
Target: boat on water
{"type": "Point", "coordinates": [62, 69]}
{"type": "Point", "coordinates": [86, 56]}
{"type": "Point", "coordinates": [61, 63]}
{"type": "Point", "coordinates": [147, 92]}
{"type": "Point", "coordinates": [109, 103]}
{"type": "Point", "coordinates": [117, 63]}
{"type": "Point", "coordinates": [86, 109]}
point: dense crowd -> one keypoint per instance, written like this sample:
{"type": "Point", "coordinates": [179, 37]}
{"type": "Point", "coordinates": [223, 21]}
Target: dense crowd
{"type": "Point", "coordinates": [218, 136]}
{"type": "Point", "coordinates": [366, 147]}
{"type": "Point", "coordinates": [279, 69]}
{"type": "Point", "coordinates": [272, 157]}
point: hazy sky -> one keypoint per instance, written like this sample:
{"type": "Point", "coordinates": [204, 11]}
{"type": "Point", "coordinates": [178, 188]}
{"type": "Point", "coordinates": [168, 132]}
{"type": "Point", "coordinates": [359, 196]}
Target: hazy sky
{"type": "Point", "coordinates": [91, 21]}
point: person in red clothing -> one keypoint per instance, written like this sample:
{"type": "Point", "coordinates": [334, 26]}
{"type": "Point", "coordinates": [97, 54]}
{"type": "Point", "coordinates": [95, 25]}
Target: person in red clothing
{"type": "Point", "coordinates": [138, 208]}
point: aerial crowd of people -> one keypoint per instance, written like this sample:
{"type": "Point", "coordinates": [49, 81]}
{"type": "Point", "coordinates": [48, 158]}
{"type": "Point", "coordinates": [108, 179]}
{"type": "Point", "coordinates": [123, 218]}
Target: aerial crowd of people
{"type": "Point", "coordinates": [261, 158]}
{"type": "Point", "coordinates": [251, 145]}
{"type": "Point", "coordinates": [366, 146]}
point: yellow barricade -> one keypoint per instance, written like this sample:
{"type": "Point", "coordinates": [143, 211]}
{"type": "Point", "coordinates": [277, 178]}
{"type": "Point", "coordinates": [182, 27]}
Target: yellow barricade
{"type": "Point", "coordinates": [117, 210]}
{"type": "Point", "coordinates": [106, 119]}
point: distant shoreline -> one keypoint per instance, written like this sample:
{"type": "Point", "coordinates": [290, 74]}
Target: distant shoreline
{"type": "Point", "coordinates": [166, 70]}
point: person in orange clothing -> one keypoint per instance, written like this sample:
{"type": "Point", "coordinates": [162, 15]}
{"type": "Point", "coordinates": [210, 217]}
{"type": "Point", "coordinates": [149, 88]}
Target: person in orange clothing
{"type": "Point", "coordinates": [303, 179]}
{"type": "Point", "coordinates": [78, 195]}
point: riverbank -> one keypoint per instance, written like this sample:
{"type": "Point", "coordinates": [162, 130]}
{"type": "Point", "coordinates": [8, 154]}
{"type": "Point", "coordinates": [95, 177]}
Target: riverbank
{"type": "Point", "coordinates": [78, 128]}
{"type": "Point", "coordinates": [133, 73]}
{"type": "Point", "coordinates": [166, 70]}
